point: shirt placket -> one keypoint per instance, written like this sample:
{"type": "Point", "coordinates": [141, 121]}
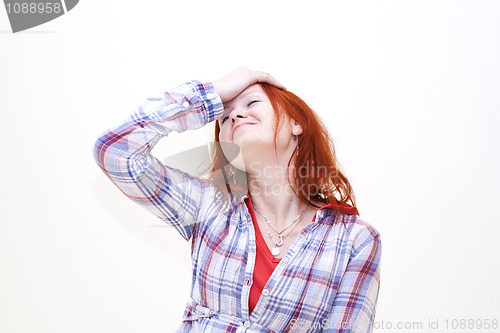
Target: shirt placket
{"type": "Point", "coordinates": [270, 289]}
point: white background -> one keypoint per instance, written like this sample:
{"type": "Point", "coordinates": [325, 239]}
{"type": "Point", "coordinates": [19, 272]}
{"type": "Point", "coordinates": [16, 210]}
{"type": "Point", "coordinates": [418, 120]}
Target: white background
{"type": "Point", "coordinates": [410, 91]}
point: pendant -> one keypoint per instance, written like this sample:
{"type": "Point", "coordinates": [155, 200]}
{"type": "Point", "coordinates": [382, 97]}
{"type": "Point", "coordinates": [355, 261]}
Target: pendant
{"type": "Point", "coordinates": [275, 251]}
{"type": "Point", "coordinates": [281, 240]}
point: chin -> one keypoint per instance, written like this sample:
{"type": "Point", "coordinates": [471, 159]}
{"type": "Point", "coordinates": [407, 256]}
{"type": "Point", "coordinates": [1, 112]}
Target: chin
{"type": "Point", "coordinates": [243, 160]}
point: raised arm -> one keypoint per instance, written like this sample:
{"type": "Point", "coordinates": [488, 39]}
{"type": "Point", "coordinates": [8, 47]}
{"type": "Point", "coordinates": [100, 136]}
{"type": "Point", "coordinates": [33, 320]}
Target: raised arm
{"type": "Point", "coordinates": [124, 153]}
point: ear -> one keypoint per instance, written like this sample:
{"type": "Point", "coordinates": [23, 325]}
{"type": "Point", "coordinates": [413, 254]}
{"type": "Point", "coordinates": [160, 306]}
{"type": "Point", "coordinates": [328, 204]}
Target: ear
{"type": "Point", "coordinates": [296, 128]}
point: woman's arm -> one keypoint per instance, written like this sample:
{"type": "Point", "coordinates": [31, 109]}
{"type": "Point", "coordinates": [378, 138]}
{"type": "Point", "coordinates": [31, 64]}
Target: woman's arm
{"type": "Point", "coordinates": [124, 154]}
{"type": "Point", "coordinates": [354, 305]}
{"type": "Point", "coordinates": [124, 151]}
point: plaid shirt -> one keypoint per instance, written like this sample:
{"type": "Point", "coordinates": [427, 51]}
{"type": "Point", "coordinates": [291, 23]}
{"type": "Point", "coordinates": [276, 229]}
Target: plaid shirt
{"type": "Point", "coordinates": [327, 281]}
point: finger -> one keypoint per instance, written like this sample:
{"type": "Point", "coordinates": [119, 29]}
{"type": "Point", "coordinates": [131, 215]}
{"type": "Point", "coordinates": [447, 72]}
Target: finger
{"type": "Point", "coordinates": [268, 78]}
{"type": "Point", "coordinates": [276, 83]}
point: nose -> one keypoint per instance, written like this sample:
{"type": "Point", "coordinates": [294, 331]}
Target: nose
{"type": "Point", "coordinates": [237, 113]}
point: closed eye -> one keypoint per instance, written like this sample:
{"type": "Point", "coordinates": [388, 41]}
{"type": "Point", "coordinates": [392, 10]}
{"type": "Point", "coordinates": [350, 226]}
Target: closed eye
{"type": "Point", "coordinates": [224, 119]}
{"type": "Point", "coordinates": [254, 101]}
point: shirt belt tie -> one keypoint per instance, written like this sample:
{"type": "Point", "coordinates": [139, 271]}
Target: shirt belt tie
{"type": "Point", "coordinates": [198, 311]}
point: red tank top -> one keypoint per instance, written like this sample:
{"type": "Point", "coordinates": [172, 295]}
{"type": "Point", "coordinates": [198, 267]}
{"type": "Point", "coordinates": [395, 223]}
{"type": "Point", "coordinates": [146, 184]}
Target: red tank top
{"type": "Point", "coordinates": [265, 262]}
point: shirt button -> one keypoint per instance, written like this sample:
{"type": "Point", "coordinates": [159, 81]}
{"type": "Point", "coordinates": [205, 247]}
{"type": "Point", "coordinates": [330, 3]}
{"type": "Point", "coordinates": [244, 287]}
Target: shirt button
{"type": "Point", "coordinates": [265, 292]}
{"type": "Point", "coordinates": [185, 104]}
{"type": "Point", "coordinates": [210, 96]}
{"type": "Point", "coordinates": [246, 324]}
{"type": "Point", "coordinates": [285, 260]}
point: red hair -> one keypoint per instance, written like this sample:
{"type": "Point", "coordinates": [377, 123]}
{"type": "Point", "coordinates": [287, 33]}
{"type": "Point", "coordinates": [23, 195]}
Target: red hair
{"type": "Point", "coordinates": [323, 179]}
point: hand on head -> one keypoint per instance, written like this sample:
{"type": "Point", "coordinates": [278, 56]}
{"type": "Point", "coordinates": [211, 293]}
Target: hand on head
{"type": "Point", "coordinates": [231, 85]}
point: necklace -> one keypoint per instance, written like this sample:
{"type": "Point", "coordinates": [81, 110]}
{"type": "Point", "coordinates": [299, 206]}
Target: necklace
{"type": "Point", "coordinates": [275, 251]}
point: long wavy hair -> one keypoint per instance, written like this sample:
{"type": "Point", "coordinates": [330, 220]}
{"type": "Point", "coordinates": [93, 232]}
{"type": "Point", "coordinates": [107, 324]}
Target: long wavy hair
{"type": "Point", "coordinates": [316, 171]}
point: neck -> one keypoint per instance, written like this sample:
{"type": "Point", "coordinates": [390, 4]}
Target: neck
{"type": "Point", "coordinates": [274, 197]}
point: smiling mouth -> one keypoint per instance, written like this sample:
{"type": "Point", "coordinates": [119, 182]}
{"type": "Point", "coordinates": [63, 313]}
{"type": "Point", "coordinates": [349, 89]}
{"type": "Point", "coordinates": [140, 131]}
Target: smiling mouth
{"type": "Point", "coordinates": [238, 126]}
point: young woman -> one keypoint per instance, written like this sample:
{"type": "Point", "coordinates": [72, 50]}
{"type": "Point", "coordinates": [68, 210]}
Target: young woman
{"type": "Point", "coordinates": [277, 244]}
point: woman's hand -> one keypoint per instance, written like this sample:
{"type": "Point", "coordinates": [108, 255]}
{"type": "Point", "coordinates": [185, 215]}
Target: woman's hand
{"type": "Point", "coordinates": [231, 85]}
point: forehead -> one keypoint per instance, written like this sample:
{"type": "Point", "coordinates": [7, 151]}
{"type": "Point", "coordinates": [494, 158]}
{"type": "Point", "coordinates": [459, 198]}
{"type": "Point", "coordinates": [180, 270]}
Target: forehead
{"type": "Point", "coordinates": [253, 89]}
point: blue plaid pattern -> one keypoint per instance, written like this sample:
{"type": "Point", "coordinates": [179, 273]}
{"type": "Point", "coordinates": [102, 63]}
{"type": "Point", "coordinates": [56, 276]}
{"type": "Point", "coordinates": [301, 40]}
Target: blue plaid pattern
{"type": "Point", "coordinates": [328, 280]}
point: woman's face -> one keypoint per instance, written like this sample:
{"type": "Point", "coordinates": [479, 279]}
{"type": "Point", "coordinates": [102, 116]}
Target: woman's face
{"type": "Point", "coordinates": [248, 122]}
